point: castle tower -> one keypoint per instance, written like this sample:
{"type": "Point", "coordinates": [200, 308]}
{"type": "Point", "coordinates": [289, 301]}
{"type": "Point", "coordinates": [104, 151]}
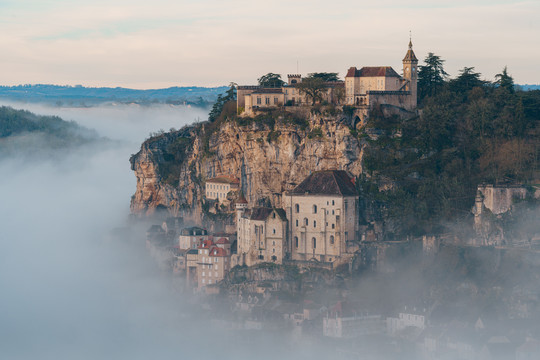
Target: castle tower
{"type": "Point", "coordinates": [410, 73]}
{"type": "Point", "coordinates": [294, 79]}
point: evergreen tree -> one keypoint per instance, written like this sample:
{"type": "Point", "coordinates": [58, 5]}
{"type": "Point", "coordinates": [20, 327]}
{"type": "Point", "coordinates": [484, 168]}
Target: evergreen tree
{"type": "Point", "coordinates": [431, 76]}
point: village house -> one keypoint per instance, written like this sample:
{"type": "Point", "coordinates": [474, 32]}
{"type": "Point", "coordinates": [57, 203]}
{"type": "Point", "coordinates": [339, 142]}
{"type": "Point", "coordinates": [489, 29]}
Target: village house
{"type": "Point", "coordinates": [218, 187]}
{"type": "Point", "coordinates": [262, 234]}
{"type": "Point", "coordinates": [191, 237]}
{"type": "Point", "coordinates": [407, 319]}
{"type": "Point", "coordinates": [322, 214]}
{"type": "Point", "coordinates": [213, 263]}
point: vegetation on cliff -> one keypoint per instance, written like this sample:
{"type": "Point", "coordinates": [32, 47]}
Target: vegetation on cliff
{"type": "Point", "coordinates": [469, 131]}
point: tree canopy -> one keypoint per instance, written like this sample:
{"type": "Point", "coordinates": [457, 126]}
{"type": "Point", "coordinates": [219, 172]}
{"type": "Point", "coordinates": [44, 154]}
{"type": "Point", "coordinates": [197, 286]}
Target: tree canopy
{"type": "Point", "coordinates": [325, 76]}
{"type": "Point", "coordinates": [312, 87]}
{"type": "Point", "coordinates": [431, 76]}
{"type": "Point", "coordinates": [271, 80]}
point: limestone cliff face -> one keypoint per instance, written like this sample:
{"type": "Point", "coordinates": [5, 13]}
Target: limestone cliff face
{"type": "Point", "coordinates": [269, 158]}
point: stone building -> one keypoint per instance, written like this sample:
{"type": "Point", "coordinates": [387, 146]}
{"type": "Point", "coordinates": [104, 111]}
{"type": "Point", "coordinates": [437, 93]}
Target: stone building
{"type": "Point", "coordinates": [218, 187]}
{"type": "Point", "coordinates": [213, 263]}
{"type": "Point", "coordinates": [372, 85]}
{"type": "Point", "coordinates": [252, 98]}
{"type": "Point", "coordinates": [262, 234]}
{"type": "Point", "coordinates": [322, 214]}
{"type": "Point", "coordinates": [364, 88]}
{"type": "Point", "coordinates": [191, 237]}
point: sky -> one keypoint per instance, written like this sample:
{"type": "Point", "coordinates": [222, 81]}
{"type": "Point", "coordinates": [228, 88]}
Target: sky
{"type": "Point", "coordinates": [162, 43]}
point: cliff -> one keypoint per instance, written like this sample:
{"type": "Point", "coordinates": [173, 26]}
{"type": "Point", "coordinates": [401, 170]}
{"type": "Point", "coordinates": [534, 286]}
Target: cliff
{"type": "Point", "coordinates": [270, 153]}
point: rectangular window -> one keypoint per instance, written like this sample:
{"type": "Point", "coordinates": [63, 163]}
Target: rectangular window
{"type": "Point", "coordinates": [267, 100]}
{"type": "Point", "coordinates": [258, 101]}
{"type": "Point", "coordinates": [275, 100]}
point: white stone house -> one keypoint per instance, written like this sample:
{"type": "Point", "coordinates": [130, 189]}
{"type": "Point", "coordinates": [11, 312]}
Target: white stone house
{"type": "Point", "coordinates": [262, 235]}
{"type": "Point", "coordinates": [218, 187]}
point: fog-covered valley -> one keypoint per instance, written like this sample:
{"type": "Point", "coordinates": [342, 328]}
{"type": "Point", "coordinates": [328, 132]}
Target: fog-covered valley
{"type": "Point", "coordinates": [68, 292]}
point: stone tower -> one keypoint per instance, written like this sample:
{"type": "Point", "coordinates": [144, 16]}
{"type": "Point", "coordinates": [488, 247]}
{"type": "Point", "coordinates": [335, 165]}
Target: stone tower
{"type": "Point", "coordinates": [410, 73]}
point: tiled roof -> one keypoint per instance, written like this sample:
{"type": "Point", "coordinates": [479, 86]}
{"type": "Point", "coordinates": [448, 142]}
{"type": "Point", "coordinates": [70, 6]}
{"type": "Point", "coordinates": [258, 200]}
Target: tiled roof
{"type": "Point", "coordinates": [217, 251]}
{"type": "Point", "coordinates": [206, 244]}
{"type": "Point", "coordinates": [372, 71]}
{"type": "Point", "coordinates": [327, 182]}
{"type": "Point", "coordinates": [224, 180]}
{"type": "Point", "coordinates": [223, 241]}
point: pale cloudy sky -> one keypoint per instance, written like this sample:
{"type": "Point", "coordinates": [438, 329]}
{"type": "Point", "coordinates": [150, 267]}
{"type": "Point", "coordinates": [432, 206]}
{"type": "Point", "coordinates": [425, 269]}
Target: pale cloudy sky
{"type": "Point", "coordinates": [161, 43]}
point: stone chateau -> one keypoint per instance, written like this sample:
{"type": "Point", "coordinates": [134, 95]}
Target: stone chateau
{"type": "Point", "coordinates": [363, 88]}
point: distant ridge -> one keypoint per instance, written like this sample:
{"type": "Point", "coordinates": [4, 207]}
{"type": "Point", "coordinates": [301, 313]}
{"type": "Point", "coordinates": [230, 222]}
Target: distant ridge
{"type": "Point", "coordinates": [528, 87]}
{"type": "Point", "coordinates": [87, 96]}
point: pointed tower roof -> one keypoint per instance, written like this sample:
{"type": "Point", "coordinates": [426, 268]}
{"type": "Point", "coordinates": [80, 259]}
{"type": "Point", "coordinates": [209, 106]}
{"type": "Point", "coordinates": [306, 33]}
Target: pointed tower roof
{"type": "Point", "coordinates": [410, 54]}
{"type": "Point", "coordinates": [241, 199]}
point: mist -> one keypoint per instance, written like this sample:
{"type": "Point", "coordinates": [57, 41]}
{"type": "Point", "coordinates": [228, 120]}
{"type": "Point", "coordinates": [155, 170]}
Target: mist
{"type": "Point", "coordinates": [67, 291]}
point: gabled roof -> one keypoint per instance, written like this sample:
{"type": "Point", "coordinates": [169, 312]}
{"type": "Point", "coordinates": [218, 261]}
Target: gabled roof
{"type": "Point", "coordinates": [206, 244]}
{"type": "Point", "coordinates": [327, 182]}
{"type": "Point", "coordinates": [372, 71]}
{"type": "Point", "coordinates": [218, 252]}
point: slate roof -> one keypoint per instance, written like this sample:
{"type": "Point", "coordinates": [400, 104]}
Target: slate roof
{"type": "Point", "coordinates": [262, 213]}
{"type": "Point", "coordinates": [372, 71]}
{"type": "Point", "coordinates": [327, 182]}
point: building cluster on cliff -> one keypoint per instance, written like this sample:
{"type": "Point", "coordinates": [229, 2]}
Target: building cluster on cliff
{"type": "Point", "coordinates": [363, 89]}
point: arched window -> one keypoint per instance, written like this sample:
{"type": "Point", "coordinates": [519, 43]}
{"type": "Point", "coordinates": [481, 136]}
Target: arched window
{"type": "Point", "coordinates": [314, 243]}
{"type": "Point", "coordinates": [296, 241]}
{"type": "Point", "coordinates": [306, 221]}
{"type": "Point", "coordinates": [314, 209]}
{"type": "Point", "coordinates": [314, 223]}
{"type": "Point", "coordinates": [296, 222]}
{"type": "Point", "coordinates": [332, 239]}
{"type": "Point", "coordinates": [297, 208]}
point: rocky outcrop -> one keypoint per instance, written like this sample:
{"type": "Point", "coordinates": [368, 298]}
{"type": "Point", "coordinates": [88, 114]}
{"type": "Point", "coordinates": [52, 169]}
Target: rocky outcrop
{"type": "Point", "coordinates": [270, 154]}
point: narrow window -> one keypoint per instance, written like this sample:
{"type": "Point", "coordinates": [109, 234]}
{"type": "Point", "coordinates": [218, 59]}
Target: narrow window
{"type": "Point", "coordinates": [267, 100]}
{"type": "Point", "coordinates": [333, 203]}
{"type": "Point", "coordinates": [314, 243]}
{"type": "Point", "coordinates": [296, 241]}
{"type": "Point", "coordinates": [333, 226]}
{"type": "Point", "coordinates": [314, 209]}
{"type": "Point", "coordinates": [306, 221]}
{"type": "Point", "coordinates": [275, 100]}
{"type": "Point", "coordinates": [314, 223]}
{"type": "Point", "coordinates": [258, 101]}
{"type": "Point", "coordinates": [297, 208]}
{"type": "Point", "coordinates": [296, 222]}
{"type": "Point", "coordinates": [332, 239]}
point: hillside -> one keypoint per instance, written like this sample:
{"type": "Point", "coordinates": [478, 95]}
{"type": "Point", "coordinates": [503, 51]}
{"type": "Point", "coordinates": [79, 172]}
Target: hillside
{"type": "Point", "coordinates": [22, 131]}
{"type": "Point", "coordinates": [87, 96]}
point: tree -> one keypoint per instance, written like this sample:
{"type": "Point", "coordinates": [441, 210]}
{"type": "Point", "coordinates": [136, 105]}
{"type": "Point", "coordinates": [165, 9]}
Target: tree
{"type": "Point", "coordinates": [466, 81]}
{"type": "Point", "coordinates": [271, 80]}
{"type": "Point", "coordinates": [339, 94]}
{"type": "Point", "coordinates": [217, 108]}
{"type": "Point", "coordinates": [312, 87]}
{"type": "Point", "coordinates": [431, 76]}
{"type": "Point", "coordinates": [325, 76]}
{"type": "Point", "coordinates": [505, 81]}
